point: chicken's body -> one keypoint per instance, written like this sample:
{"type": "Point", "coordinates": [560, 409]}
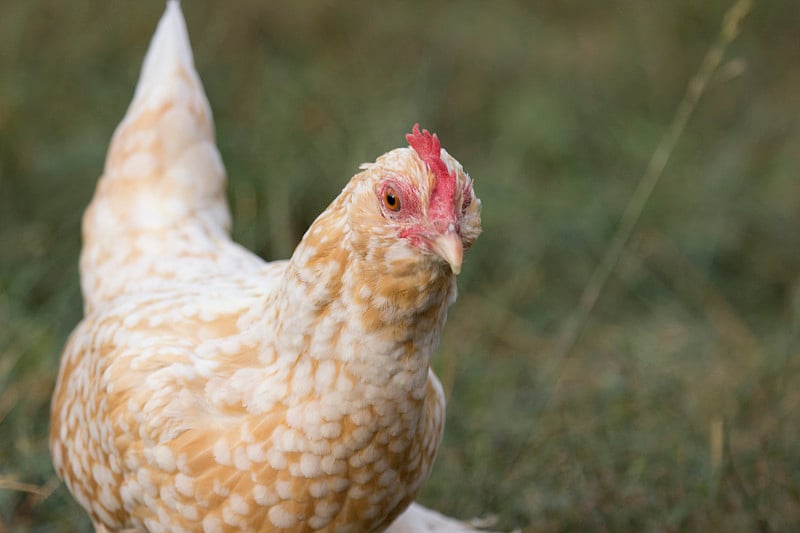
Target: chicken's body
{"type": "Point", "coordinates": [208, 390]}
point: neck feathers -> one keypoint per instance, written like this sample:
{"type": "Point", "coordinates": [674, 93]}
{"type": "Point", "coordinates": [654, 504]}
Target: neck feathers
{"type": "Point", "coordinates": [379, 314]}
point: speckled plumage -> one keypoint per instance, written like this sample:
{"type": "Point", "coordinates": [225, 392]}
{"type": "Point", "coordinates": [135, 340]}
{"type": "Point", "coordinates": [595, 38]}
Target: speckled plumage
{"type": "Point", "coordinates": [208, 390]}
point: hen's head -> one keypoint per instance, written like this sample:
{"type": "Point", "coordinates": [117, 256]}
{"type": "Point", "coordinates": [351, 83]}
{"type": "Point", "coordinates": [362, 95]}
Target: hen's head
{"type": "Point", "coordinates": [415, 204]}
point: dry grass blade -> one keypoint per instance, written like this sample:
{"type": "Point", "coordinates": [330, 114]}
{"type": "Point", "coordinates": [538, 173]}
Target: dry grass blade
{"type": "Point", "coordinates": [694, 91]}
{"type": "Point", "coordinates": [7, 483]}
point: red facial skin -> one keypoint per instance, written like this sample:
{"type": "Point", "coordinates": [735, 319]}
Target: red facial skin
{"type": "Point", "coordinates": [414, 226]}
{"type": "Point", "coordinates": [408, 214]}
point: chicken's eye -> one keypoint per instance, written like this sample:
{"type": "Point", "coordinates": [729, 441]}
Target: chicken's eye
{"type": "Point", "coordinates": [391, 200]}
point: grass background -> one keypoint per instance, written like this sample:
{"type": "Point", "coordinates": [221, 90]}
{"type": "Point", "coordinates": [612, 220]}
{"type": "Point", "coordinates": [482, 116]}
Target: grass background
{"type": "Point", "coordinates": [677, 409]}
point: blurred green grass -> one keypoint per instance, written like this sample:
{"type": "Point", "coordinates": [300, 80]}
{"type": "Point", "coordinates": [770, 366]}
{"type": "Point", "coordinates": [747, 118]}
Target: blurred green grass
{"type": "Point", "coordinates": [679, 407]}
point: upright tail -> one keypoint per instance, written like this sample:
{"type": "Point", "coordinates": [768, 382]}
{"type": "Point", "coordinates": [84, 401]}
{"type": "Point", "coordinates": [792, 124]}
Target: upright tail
{"type": "Point", "coordinates": [163, 175]}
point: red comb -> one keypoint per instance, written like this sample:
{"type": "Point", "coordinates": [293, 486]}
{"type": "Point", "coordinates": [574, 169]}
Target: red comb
{"type": "Point", "coordinates": [429, 150]}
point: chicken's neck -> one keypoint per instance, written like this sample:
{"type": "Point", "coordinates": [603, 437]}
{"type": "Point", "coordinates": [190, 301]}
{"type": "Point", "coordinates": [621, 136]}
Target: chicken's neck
{"type": "Point", "coordinates": [380, 318]}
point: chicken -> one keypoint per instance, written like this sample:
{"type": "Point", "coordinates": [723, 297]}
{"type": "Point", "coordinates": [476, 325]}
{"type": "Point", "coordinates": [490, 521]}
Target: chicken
{"type": "Point", "coordinates": [208, 390]}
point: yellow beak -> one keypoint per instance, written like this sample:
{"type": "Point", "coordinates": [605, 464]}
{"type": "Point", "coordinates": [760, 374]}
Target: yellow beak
{"type": "Point", "coordinates": [448, 247]}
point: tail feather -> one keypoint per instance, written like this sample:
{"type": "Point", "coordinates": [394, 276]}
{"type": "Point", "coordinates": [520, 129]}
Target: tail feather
{"type": "Point", "coordinates": [169, 50]}
{"type": "Point", "coordinates": [163, 174]}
